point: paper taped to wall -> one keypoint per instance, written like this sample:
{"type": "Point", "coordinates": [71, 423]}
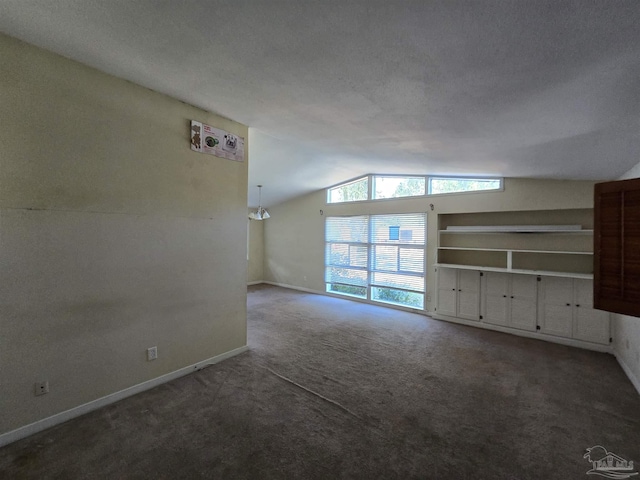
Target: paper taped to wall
{"type": "Point", "coordinates": [211, 140]}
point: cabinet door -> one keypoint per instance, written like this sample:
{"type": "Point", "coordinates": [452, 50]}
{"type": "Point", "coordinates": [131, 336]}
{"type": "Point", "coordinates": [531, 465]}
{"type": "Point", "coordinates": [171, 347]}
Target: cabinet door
{"type": "Point", "coordinates": [496, 289]}
{"type": "Point", "coordinates": [447, 291]}
{"type": "Point", "coordinates": [524, 297]}
{"type": "Point", "coordinates": [555, 309]}
{"type": "Point", "coordinates": [469, 294]}
{"type": "Point", "coordinates": [589, 325]}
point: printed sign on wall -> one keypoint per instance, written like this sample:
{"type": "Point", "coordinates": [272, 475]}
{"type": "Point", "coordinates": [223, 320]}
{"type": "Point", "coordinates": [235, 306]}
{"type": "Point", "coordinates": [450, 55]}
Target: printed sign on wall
{"type": "Point", "coordinates": [211, 140]}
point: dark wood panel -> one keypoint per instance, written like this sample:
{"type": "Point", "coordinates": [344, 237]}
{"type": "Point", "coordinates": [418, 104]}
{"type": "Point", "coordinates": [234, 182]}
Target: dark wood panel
{"type": "Point", "coordinates": [608, 245]}
{"type": "Point", "coordinates": [617, 247]}
{"type": "Point", "coordinates": [631, 245]}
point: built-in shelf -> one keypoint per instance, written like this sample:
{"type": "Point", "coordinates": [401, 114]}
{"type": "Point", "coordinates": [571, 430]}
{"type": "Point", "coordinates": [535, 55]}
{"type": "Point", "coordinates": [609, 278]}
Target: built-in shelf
{"type": "Point", "coordinates": [480, 249]}
{"type": "Point", "coordinates": [553, 243]}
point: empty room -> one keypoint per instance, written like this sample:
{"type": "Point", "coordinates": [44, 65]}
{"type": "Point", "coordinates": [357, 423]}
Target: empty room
{"type": "Point", "coordinates": [314, 240]}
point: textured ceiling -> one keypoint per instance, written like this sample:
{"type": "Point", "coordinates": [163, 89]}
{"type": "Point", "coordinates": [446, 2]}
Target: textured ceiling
{"type": "Point", "coordinates": [335, 89]}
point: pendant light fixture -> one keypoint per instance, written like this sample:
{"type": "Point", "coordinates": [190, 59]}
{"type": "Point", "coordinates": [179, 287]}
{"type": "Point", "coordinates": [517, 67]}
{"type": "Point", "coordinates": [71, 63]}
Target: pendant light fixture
{"type": "Point", "coordinates": [261, 213]}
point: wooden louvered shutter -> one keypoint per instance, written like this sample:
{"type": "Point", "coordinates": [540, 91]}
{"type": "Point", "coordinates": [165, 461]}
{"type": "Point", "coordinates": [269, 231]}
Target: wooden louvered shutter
{"type": "Point", "coordinates": [617, 247]}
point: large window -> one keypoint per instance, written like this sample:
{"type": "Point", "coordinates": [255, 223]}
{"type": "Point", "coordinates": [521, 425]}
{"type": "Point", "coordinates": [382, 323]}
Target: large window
{"type": "Point", "coordinates": [380, 187]}
{"type": "Point", "coordinates": [377, 257]}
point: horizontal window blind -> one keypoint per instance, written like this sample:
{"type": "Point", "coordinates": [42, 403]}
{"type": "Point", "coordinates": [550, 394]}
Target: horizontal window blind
{"type": "Point", "coordinates": [347, 229]}
{"type": "Point", "coordinates": [397, 251]}
{"type": "Point", "coordinates": [347, 252]}
{"type": "Point", "coordinates": [406, 229]}
{"type": "Point", "coordinates": [385, 253]}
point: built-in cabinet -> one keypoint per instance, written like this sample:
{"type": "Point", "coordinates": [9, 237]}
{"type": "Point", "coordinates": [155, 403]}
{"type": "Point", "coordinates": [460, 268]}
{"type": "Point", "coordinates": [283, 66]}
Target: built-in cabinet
{"type": "Point", "coordinates": [510, 300]}
{"type": "Point", "coordinates": [459, 293]}
{"type": "Point", "coordinates": [566, 310]}
{"type": "Point", "coordinates": [526, 272]}
{"type": "Point", "coordinates": [546, 307]}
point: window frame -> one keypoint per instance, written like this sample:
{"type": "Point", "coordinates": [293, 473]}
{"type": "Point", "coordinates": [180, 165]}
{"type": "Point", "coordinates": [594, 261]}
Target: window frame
{"type": "Point", "coordinates": [466, 177]}
{"type": "Point", "coordinates": [371, 181]}
{"type": "Point", "coordinates": [349, 182]}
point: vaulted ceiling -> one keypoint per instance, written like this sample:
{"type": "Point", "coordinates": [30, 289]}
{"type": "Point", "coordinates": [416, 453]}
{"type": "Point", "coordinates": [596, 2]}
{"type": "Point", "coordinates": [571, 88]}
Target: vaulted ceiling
{"type": "Point", "coordinates": [335, 89]}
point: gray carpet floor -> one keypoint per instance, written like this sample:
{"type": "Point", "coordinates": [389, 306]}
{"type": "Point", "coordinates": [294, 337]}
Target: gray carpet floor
{"type": "Point", "coordinates": [337, 389]}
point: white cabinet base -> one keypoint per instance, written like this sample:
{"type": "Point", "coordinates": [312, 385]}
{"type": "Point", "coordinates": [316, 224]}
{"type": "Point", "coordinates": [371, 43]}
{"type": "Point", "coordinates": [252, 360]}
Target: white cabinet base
{"type": "Point", "coordinates": [523, 333]}
{"type": "Point", "coordinates": [553, 309]}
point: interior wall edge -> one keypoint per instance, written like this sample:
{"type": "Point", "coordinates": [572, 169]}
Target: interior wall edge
{"type": "Point", "coordinates": [630, 375]}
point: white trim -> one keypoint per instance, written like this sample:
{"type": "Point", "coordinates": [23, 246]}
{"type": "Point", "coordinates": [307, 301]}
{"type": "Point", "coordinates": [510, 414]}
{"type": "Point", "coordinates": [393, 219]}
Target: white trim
{"type": "Point", "coordinates": [351, 298]}
{"type": "Point", "coordinates": [544, 273]}
{"type": "Point", "coordinates": [293, 287]}
{"type": "Point", "coordinates": [632, 378]}
{"type": "Point", "coordinates": [570, 342]}
{"type": "Point", "coordinates": [375, 303]}
{"type": "Point", "coordinates": [255, 283]}
{"type": "Point", "coordinates": [58, 418]}
{"type": "Point", "coordinates": [514, 229]}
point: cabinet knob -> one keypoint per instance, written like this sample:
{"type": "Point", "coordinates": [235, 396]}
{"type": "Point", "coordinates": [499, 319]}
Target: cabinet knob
{"type": "Point", "coordinates": [511, 296]}
{"type": "Point", "coordinates": [578, 305]}
{"type": "Point", "coordinates": [453, 289]}
{"type": "Point", "coordinates": [504, 296]}
{"type": "Point", "coordinates": [568, 304]}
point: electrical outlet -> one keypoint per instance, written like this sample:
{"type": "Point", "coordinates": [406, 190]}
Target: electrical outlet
{"type": "Point", "coordinates": [41, 388]}
{"type": "Point", "coordinates": [152, 353]}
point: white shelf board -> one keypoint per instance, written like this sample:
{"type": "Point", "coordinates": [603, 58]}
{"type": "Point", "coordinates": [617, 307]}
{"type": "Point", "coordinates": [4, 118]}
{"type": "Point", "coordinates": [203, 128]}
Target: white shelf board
{"type": "Point", "coordinates": [545, 273]}
{"type": "Point", "coordinates": [475, 249]}
{"type": "Point", "coordinates": [515, 228]}
{"type": "Point", "coordinates": [503, 232]}
{"type": "Point", "coordinates": [515, 250]}
{"type": "Point", "coordinates": [567, 252]}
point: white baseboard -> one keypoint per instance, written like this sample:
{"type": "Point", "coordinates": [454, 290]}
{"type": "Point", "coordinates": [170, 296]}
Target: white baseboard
{"type": "Point", "coordinates": [570, 342]}
{"type": "Point", "coordinates": [349, 298]}
{"type": "Point", "coordinates": [634, 380]}
{"type": "Point", "coordinates": [294, 287]}
{"type": "Point", "coordinates": [61, 417]}
{"type": "Point", "coordinates": [257, 282]}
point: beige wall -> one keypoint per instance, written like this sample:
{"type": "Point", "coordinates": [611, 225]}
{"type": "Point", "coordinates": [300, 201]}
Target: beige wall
{"type": "Point", "coordinates": [626, 330]}
{"type": "Point", "coordinates": [294, 235]}
{"type": "Point", "coordinates": [114, 236]}
{"type": "Point", "coordinates": [255, 259]}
